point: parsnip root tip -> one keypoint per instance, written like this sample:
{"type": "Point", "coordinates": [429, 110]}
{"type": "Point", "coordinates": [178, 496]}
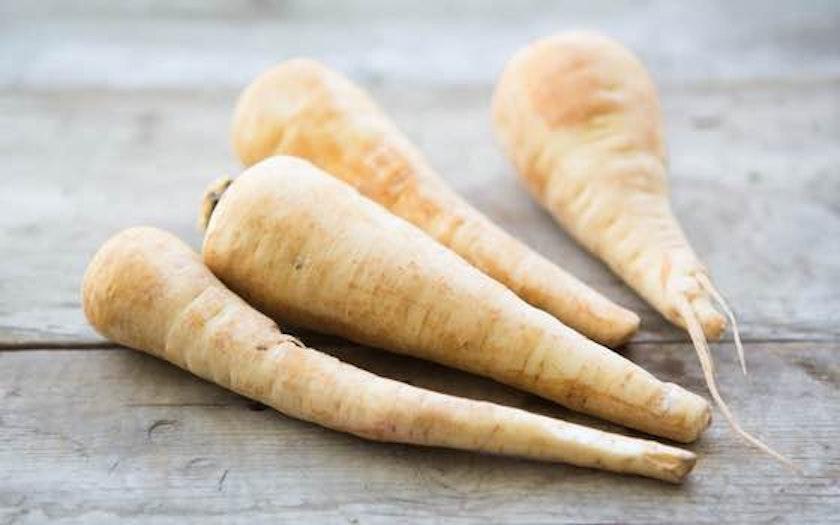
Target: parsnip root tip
{"type": "Point", "coordinates": [698, 339]}
{"type": "Point", "coordinates": [675, 467]}
{"type": "Point", "coordinates": [736, 334]}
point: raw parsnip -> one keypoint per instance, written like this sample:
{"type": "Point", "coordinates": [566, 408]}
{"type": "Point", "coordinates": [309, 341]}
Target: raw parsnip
{"type": "Point", "coordinates": [148, 290]}
{"type": "Point", "coordinates": [304, 109]}
{"type": "Point", "coordinates": [303, 247]}
{"type": "Point", "coordinates": [580, 118]}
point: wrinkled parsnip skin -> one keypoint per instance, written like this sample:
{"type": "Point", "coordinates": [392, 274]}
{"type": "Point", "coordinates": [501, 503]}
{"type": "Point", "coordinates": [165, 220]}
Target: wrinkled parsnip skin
{"type": "Point", "coordinates": [302, 108]}
{"type": "Point", "coordinates": [580, 118]}
{"type": "Point", "coordinates": [148, 290]}
{"type": "Point", "coordinates": [303, 247]}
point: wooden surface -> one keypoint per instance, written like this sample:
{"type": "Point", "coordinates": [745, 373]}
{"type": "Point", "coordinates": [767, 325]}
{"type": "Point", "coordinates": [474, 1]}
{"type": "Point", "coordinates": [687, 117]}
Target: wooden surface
{"type": "Point", "coordinates": [113, 115]}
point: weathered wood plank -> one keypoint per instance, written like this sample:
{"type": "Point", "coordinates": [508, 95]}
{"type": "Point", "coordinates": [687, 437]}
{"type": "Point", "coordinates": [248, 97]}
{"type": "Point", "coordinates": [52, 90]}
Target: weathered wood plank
{"type": "Point", "coordinates": [754, 182]}
{"type": "Point", "coordinates": [200, 45]}
{"type": "Point", "coordinates": [114, 114]}
{"type": "Point", "coordinates": [93, 436]}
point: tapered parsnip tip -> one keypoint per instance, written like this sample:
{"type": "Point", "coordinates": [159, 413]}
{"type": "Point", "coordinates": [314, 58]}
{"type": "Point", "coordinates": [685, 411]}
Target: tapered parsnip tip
{"type": "Point", "coordinates": [712, 321]}
{"type": "Point", "coordinates": [211, 198]}
{"type": "Point", "coordinates": [638, 456]}
{"type": "Point", "coordinates": [695, 411]}
{"type": "Point", "coordinates": [703, 420]}
{"type": "Point", "coordinates": [672, 464]}
{"type": "Point", "coordinates": [626, 325]}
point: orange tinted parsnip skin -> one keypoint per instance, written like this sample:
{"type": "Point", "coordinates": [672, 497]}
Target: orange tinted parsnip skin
{"type": "Point", "coordinates": [148, 290]}
{"type": "Point", "coordinates": [304, 109]}
{"type": "Point", "coordinates": [303, 247]}
{"type": "Point", "coordinates": [579, 116]}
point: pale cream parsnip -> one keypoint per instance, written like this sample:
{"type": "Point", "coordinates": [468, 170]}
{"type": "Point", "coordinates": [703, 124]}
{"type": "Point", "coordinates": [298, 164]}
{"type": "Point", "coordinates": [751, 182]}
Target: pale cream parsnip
{"type": "Point", "coordinates": [579, 116]}
{"type": "Point", "coordinates": [304, 247]}
{"type": "Point", "coordinates": [302, 108]}
{"type": "Point", "coordinates": [148, 290]}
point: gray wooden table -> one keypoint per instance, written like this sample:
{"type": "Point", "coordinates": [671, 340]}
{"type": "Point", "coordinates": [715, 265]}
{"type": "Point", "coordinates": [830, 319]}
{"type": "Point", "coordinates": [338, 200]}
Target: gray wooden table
{"type": "Point", "coordinates": [117, 114]}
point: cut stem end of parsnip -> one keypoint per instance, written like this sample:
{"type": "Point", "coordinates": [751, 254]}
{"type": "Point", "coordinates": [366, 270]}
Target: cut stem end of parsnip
{"type": "Point", "coordinates": [211, 198]}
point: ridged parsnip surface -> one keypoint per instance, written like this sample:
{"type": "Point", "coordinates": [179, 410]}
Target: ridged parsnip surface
{"type": "Point", "coordinates": [147, 290]}
{"type": "Point", "coordinates": [306, 248]}
{"type": "Point", "coordinates": [304, 109]}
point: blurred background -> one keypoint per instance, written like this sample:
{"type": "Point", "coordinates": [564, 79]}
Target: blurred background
{"type": "Point", "coordinates": [218, 44]}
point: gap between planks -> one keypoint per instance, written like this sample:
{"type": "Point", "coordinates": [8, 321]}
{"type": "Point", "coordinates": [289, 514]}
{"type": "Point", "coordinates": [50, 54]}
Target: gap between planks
{"type": "Point", "coordinates": [321, 340]}
{"type": "Point", "coordinates": [687, 85]}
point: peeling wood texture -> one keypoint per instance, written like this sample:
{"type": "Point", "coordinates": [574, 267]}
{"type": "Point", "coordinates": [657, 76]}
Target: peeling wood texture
{"type": "Point", "coordinates": [116, 114]}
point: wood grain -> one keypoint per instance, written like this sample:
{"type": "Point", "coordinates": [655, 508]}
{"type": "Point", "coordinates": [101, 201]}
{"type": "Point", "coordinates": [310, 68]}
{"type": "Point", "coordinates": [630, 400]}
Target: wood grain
{"type": "Point", "coordinates": [116, 113]}
{"type": "Point", "coordinates": [142, 439]}
{"type": "Point", "coordinates": [752, 172]}
{"type": "Point", "coordinates": [196, 44]}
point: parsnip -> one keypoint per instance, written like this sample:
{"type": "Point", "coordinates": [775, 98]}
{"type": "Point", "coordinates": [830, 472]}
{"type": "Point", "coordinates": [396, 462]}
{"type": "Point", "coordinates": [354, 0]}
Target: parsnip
{"type": "Point", "coordinates": [304, 247]}
{"type": "Point", "coordinates": [580, 118]}
{"type": "Point", "coordinates": [304, 109]}
{"type": "Point", "coordinates": [148, 290]}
